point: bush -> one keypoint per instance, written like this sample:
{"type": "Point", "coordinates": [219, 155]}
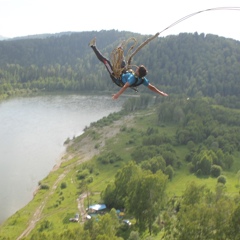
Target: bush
{"type": "Point", "coordinates": [63, 185]}
{"type": "Point", "coordinates": [216, 171]}
{"type": "Point", "coordinates": [67, 141]}
{"type": "Point", "coordinates": [110, 157]}
{"type": "Point", "coordinates": [44, 186]}
{"type": "Point", "coordinates": [45, 225]}
{"type": "Point", "coordinates": [89, 179]}
{"type": "Point", "coordinates": [221, 179]}
{"type": "Point", "coordinates": [83, 174]}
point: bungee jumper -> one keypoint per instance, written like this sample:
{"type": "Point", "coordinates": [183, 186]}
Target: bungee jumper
{"type": "Point", "coordinates": [126, 77]}
{"type": "Point", "coordinates": [121, 71]}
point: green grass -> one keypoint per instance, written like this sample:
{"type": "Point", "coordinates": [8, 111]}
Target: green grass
{"type": "Point", "coordinates": [106, 175]}
{"type": "Point", "coordinates": [15, 225]}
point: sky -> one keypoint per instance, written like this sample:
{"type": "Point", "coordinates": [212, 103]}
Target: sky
{"type": "Point", "coordinates": [30, 17]}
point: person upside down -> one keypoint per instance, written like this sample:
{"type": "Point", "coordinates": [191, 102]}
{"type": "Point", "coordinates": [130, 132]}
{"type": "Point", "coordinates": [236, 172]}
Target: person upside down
{"type": "Point", "coordinates": [127, 79]}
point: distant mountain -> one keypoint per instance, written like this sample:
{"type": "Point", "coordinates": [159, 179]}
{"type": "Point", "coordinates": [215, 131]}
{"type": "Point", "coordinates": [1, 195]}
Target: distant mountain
{"type": "Point", "coordinates": [50, 49]}
{"type": "Point", "coordinates": [42, 36]}
{"type": "Point", "coordinates": [37, 36]}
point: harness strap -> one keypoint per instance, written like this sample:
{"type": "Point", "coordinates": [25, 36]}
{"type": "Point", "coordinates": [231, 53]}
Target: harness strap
{"type": "Point", "coordinates": [118, 82]}
{"type": "Point", "coordinates": [135, 84]}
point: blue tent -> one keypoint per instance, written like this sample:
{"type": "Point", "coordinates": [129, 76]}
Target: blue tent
{"type": "Point", "coordinates": [98, 207]}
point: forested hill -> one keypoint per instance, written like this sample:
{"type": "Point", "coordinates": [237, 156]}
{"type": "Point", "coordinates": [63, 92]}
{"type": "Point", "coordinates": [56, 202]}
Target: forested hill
{"type": "Point", "coordinates": [61, 49]}
{"type": "Point", "coordinates": [192, 64]}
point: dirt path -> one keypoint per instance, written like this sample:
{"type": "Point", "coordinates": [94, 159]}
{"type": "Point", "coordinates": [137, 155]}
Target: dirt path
{"type": "Point", "coordinates": [81, 206]}
{"type": "Point", "coordinates": [85, 151]}
{"type": "Point", "coordinates": [37, 214]}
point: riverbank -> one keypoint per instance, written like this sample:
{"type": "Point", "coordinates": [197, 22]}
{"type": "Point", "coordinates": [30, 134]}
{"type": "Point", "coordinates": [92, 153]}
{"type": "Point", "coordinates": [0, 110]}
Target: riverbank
{"type": "Point", "coordinates": [78, 151]}
{"type": "Point", "coordinates": [35, 129]}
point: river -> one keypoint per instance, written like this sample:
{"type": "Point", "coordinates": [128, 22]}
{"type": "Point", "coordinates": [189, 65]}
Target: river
{"type": "Point", "coordinates": [32, 135]}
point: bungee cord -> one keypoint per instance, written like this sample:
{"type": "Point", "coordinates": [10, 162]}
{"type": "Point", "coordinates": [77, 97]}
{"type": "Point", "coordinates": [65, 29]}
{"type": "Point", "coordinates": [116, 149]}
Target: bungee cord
{"type": "Point", "coordinates": [195, 13]}
{"type": "Point", "coordinates": [118, 53]}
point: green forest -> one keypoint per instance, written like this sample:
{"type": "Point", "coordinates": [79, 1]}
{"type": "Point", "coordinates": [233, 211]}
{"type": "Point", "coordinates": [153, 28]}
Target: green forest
{"type": "Point", "coordinates": [190, 64]}
{"type": "Point", "coordinates": [172, 166]}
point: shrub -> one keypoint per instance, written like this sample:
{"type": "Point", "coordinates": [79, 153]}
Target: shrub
{"type": "Point", "coordinates": [45, 225]}
{"type": "Point", "coordinates": [67, 141]}
{"type": "Point", "coordinates": [83, 174]}
{"type": "Point", "coordinates": [89, 179]}
{"type": "Point", "coordinates": [63, 185]}
{"type": "Point", "coordinates": [221, 179]}
{"type": "Point", "coordinates": [110, 157]}
{"type": "Point", "coordinates": [44, 186]}
{"type": "Point", "coordinates": [216, 171]}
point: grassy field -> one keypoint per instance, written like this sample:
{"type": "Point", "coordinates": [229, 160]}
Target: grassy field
{"type": "Point", "coordinates": [56, 204]}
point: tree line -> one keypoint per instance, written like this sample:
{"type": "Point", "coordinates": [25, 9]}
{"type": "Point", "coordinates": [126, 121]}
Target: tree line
{"type": "Point", "coordinates": [193, 64]}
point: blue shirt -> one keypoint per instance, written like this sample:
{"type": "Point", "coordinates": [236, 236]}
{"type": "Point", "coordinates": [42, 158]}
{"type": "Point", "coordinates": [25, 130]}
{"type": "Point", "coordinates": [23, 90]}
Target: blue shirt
{"type": "Point", "coordinates": [131, 79]}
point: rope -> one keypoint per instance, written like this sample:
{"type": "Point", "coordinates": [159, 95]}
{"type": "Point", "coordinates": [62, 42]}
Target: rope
{"type": "Point", "coordinates": [195, 13]}
{"type": "Point", "coordinates": [117, 55]}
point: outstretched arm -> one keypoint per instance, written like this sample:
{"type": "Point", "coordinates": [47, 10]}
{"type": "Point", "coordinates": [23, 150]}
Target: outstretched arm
{"type": "Point", "coordinates": [154, 89]}
{"type": "Point", "coordinates": [115, 96]}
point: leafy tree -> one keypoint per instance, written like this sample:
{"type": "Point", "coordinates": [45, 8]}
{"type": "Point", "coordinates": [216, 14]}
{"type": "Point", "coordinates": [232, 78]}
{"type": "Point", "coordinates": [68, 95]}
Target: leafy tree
{"type": "Point", "coordinates": [145, 152]}
{"type": "Point", "coordinates": [234, 224]}
{"type": "Point", "coordinates": [134, 236]}
{"type": "Point", "coordinates": [145, 198]}
{"type": "Point", "coordinates": [169, 157]}
{"type": "Point", "coordinates": [107, 226]}
{"type": "Point", "coordinates": [202, 161]}
{"type": "Point", "coordinates": [154, 164]}
{"type": "Point", "coordinates": [196, 223]}
{"type": "Point", "coordinates": [202, 215]}
{"type": "Point", "coordinates": [115, 195]}
{"type": "Point", "coordinates": [193, 194]}
{"type": "Point", "coordinates": [205, 164]}
{"type": "Point", "coordinates": [228, 161]}
{"type": "Point", "coordinates": [108, 196]}
{"type": "Point", "coordinates": [104, 228]}
{"type": "Point", "coordinates": [169, 172]}
{"type": "Point", "coordinates": [123, 178]}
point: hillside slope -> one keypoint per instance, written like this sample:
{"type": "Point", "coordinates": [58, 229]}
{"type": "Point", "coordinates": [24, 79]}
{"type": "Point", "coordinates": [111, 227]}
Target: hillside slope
{"type": "Point", "coordinates": [191, 64]}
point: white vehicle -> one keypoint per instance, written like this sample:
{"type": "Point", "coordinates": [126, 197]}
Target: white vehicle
{"type": "Point", "coordinates": [126, 221]}
{"type": "Point", "coordinates": [75, 219]}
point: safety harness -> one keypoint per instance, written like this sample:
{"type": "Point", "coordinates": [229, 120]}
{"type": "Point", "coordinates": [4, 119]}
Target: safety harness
{"type": "Point", "coordinates": [119, 82]}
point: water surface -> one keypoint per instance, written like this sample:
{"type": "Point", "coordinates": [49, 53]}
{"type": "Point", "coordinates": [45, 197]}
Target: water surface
{"type": "Point", "coordinates": [32, 133]}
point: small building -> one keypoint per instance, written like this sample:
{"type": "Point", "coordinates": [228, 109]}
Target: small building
{"type": "Point", "coordinates": [97, 207]}
{"type": "Point", "coordinates": [95, 210]}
